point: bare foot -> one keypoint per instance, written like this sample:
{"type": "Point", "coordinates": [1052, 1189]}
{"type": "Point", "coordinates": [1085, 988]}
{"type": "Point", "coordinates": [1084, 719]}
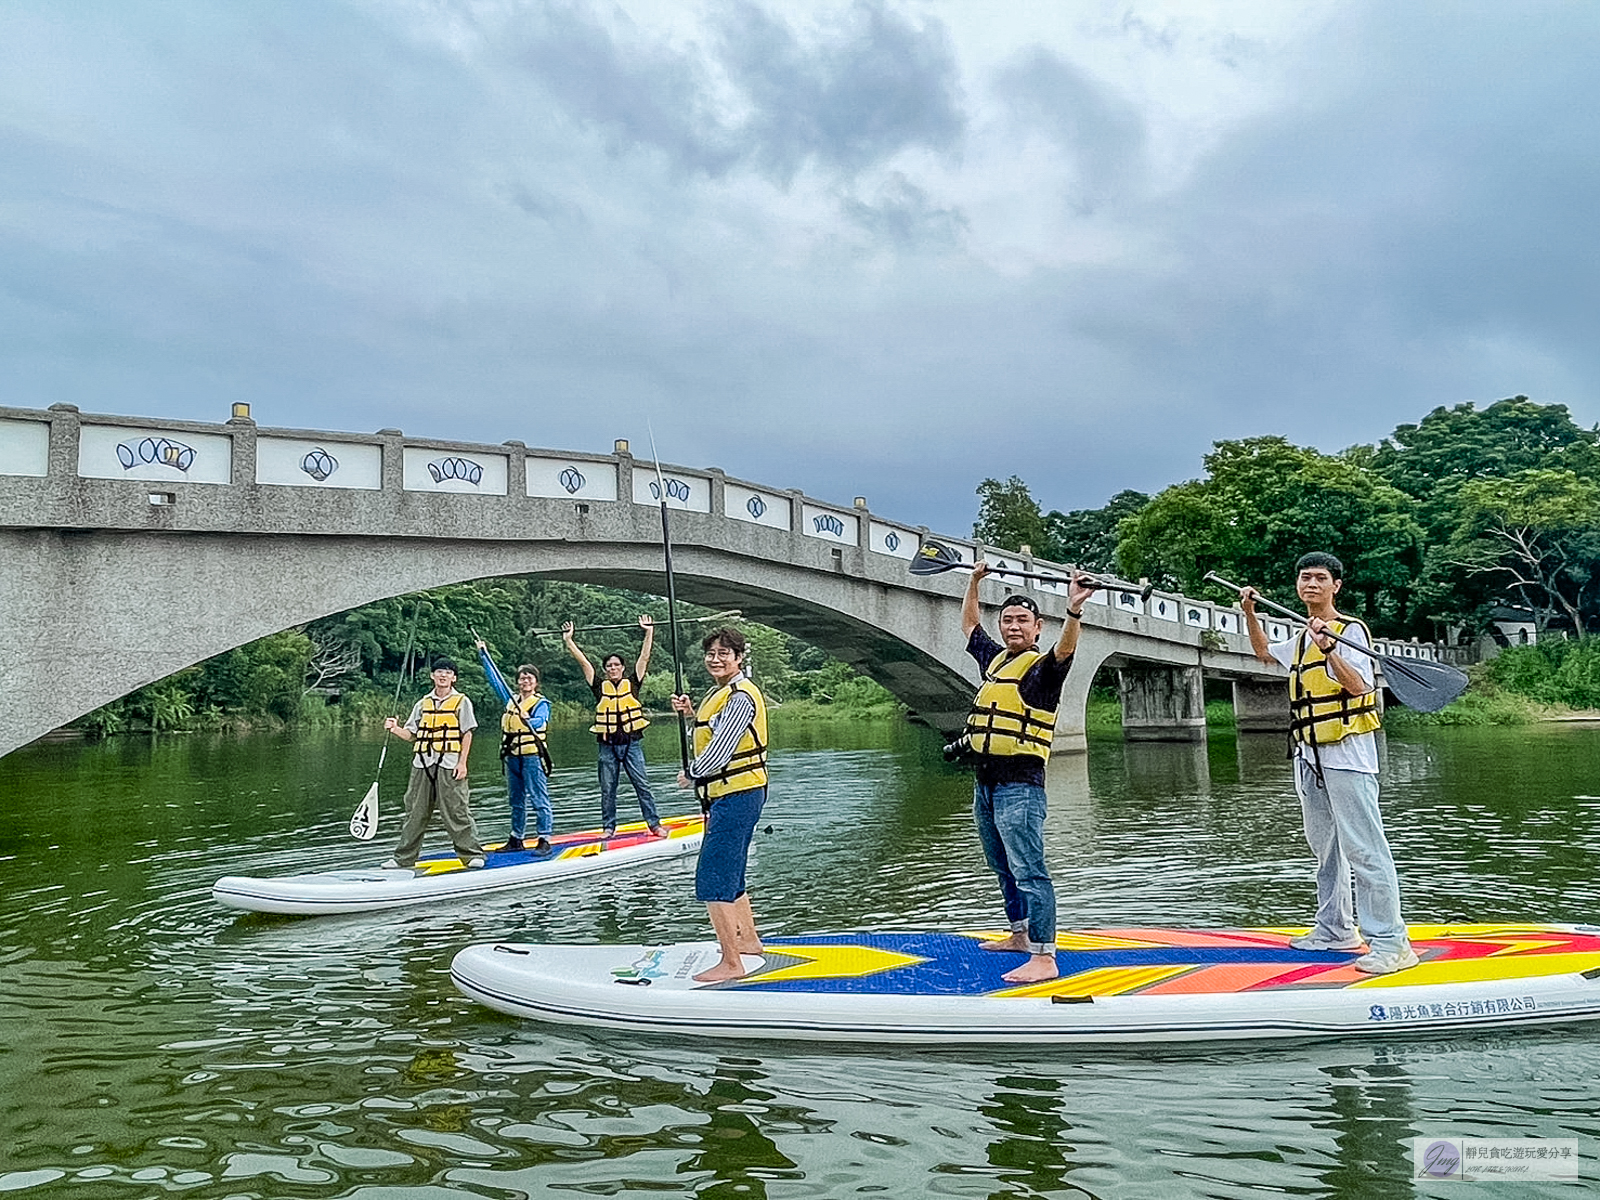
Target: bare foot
{"type": "Point", "coordinates": [1016, 942]}
{"type": "Point", "coordinates": [753, 948]}
{"type": "Point", "coordinates": [1037, 969]}
{"type": "Point", "coordinates": [720, 972]}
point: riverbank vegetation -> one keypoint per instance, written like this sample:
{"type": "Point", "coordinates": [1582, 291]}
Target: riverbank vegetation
{"type": "Point", "coordinates": [1466, 517]}
{"type": "Point", "coordinates": [344, 669]}
{"type": "Point", "coordinates": [1438, 525]}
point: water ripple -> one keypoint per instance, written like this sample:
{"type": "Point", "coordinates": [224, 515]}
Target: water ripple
{"type": "Point", "coordinates": [159, 1045]}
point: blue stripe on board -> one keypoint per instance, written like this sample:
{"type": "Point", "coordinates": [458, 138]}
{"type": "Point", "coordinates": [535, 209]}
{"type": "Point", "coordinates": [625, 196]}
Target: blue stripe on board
{"type": "Point", "coordinates": [958, 966]}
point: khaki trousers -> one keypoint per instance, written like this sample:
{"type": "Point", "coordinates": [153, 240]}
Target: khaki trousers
{"type": "Point", "coordinates": [433, 788]}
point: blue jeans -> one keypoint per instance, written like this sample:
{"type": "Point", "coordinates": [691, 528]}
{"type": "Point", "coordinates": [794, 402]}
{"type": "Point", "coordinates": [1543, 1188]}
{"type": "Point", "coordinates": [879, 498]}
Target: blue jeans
{"type": "Point", "coordinates": [725, 849]}
{"type": "Point", "coordinates": [1010, 818]}
{"type": "Point", "coordinates": [1345, 831]}
{"type": "Point", "coordinates": [629, 757]}
{"type": "Point", "coordinates": [525, 781]}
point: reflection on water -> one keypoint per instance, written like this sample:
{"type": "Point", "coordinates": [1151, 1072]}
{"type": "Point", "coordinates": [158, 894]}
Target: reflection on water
{"type": "Point", "coordinates": [157, 1045]}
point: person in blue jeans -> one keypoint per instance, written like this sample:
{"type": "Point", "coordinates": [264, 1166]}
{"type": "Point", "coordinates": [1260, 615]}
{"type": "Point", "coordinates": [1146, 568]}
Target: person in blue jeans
{"type": "Point", "coordinates": [619, 724]}
{"type": "Point", "coordinates": [1007, 740]}
{"type": "Point", "coordinates": [524, 723]}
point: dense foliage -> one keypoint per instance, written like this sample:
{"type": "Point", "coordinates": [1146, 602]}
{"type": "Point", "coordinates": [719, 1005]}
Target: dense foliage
{"type": "Point", "coordinates": [357, 659]}
{"type": "Point", "coordinates": [1440, 524]}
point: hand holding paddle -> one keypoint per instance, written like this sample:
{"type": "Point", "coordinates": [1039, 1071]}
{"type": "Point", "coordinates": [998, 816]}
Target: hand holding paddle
{"type": "Point", "coordinates": [1417, 683]}
{"type": "Point", "coordinates": [935, 558]}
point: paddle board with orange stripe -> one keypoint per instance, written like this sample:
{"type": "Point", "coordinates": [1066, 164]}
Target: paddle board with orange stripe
{"type": "Point", "coordinates": [1115, 985]}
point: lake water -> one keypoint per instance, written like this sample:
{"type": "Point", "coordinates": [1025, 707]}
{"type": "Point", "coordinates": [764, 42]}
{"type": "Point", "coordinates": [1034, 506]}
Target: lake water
{"type": "Point", "coordinates": [156, 1045]}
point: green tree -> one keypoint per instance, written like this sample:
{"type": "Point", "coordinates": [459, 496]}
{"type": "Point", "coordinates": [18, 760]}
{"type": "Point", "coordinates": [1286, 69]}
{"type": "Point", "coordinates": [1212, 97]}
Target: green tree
{"type": "Point", "coordinates": [1433, 459]}
{"type": "Point", "coordinates": [262, 678]}
{"type": "Point", "coordinates": [1009, 516]}
{"type": "Point", "coordinates": [1536, 534]}
{"type": "Point", "coordinates": [1264, 503]}
{"type": "Point", "coordinates": [769, 661]}
{"type": "Point", "coordinates": [1087, 537]}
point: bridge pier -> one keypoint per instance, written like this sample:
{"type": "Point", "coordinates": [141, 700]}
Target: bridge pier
{"type": "Point", "coordinates": [1072, 735]}
{"type": "Point", "coordinates": [1260, 706]}
{"type": "Point", "coordinates": [138, 547]}
{"type": "Point", "coordinates": [1162, 704]}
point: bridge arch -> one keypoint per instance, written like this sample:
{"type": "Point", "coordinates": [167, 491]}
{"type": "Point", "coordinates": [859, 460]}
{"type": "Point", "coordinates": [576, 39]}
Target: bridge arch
{"type": "Point", "coordinates": [135, 548]}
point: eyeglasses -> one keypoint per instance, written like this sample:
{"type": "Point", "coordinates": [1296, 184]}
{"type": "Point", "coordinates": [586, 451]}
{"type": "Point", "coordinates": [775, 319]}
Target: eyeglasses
{"type": "Point", "coordinates": [720, 652]}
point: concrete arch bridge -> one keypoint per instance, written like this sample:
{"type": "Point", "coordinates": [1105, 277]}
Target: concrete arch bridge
{"type": "Point", "coordinates": [135, 548]}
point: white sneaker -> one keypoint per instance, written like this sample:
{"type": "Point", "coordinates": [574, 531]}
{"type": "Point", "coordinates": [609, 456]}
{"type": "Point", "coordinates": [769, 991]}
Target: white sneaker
{"type": "Point", "coordinates": [1386, 962]}
{"type": "Point", "coordinates": [1315, 941]}
{"type": "Point", "coordinates": [474, 862]}
{"type": "Point", "coordinates": [390, 864]}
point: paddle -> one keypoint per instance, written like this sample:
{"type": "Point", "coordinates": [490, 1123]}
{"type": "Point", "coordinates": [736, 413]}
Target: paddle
{"type": "Point", "coordinates": [364, 821]}
{"type": "Point", "coordinates": [731, 614]}
{"type": "Point", "coordinates": [1417, 683]}
{"type": "Point", "coordinates": [935, 558]}
{"type": "Point", "coordinates": [672, 602]}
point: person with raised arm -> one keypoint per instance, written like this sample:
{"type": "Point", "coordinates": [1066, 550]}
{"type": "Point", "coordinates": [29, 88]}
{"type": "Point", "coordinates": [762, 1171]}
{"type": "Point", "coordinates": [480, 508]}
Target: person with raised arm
{"type": "Point", "coordinates": [524, 751]}
{"type": "Point", "coordinates": [1333, 721]}
{"type": "Point", "coordinates": [619, 725]}
{"type": "Point", "coordinates": [729, 773]}
{"type": "Point", "coordinates": [1007, 740]}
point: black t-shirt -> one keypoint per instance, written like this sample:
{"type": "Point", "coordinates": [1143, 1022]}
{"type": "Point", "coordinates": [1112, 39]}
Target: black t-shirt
{"type": "Point", "coordinates": [632, 680]}
{"type": "Point", "coordinates": [1040, 687]}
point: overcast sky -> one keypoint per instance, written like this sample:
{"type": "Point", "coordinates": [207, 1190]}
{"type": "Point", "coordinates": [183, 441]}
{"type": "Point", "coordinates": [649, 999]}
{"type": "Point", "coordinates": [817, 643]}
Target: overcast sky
{"type": "Point", "coordinates": [887, 248]}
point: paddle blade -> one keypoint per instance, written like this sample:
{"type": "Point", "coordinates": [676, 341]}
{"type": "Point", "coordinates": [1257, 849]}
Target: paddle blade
{"type": "Point", "coordinates": [935, 558]}
{"type": "Point", "coordinates": [1422, 684]}
{"type": "Point", "coordinates": [364, 821]}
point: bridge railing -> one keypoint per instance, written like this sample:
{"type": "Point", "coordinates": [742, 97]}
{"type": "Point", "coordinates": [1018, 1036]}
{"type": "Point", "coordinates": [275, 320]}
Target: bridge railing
{"type": "Point", "coordinates": [172, 460]}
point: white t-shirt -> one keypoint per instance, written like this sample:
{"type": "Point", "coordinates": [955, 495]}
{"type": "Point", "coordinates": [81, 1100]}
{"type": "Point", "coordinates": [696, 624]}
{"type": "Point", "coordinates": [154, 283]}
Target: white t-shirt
{"type": "Point", "coordinates": [1359, 751]}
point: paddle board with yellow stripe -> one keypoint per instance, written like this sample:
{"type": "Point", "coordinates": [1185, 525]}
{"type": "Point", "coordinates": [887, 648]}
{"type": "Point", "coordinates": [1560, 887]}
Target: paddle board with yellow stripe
{"type": "Point", "coordinates": [1115, 985]}
{"type": "Point", "coordinates": [439, 879]}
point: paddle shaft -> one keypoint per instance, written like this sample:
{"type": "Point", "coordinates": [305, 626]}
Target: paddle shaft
{"type": "Point", "coordinates": [1385, 659]}
{"type": "Point", "coordinates": [672, 605]}
{"type": "Point", "coordinates": [1093, 581]}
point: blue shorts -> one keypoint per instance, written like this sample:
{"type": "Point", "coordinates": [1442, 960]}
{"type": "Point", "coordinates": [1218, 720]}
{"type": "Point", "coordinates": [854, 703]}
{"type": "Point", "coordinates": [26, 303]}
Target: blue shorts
{"type": "Point", "coordinates": [719, 876]}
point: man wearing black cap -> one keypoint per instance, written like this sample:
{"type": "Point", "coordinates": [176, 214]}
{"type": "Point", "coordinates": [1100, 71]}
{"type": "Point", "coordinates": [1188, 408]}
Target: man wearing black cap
{"type": "Point", "coordinates": [441, 725]}
{"type": "Point", "coordinates": [1007, 739]}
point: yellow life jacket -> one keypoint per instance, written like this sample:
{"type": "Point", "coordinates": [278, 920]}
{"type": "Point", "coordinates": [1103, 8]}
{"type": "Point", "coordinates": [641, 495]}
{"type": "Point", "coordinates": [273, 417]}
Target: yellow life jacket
{"type": "Point", "coordinates": [439, 725]}
{"type": "Point", "coordinates": [618, 711]}
{"type": "Point", "coordinates": [518, 737]}
{"type": "Point", "coordinates": [748, 767]}
{"type": "Point", "coordinates": [1000, 723]}
{"type": "Point", "coordinates": [1321, 712]}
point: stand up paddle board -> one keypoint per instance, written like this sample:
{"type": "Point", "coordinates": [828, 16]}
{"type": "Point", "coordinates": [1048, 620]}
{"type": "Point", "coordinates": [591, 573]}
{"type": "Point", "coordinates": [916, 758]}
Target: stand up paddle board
{"type": "Point", "coordinates": [436, 879]}
{"type": "Point", "coordinates": [1116, 985]}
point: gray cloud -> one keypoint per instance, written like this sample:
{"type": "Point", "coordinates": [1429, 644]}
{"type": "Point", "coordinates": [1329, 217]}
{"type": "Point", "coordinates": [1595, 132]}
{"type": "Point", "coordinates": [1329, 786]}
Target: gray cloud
{"type": "Point", "coordinates": [569, 233]}
{"type": "Point", "coordinates": [864, 90]}
{"type": "Point", "coordinates": [1102, 132]}
{"type": "Point", "coordinates": [849, 97]}
{"type": "Point", "coordinates": [643, 95]}
{"type": "Point", "coordinates": [902, 215]}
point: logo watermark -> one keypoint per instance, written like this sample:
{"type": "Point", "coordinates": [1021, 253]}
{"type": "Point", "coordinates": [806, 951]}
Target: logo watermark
{"type": "Point", "coordinates": [1484, 1159]}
